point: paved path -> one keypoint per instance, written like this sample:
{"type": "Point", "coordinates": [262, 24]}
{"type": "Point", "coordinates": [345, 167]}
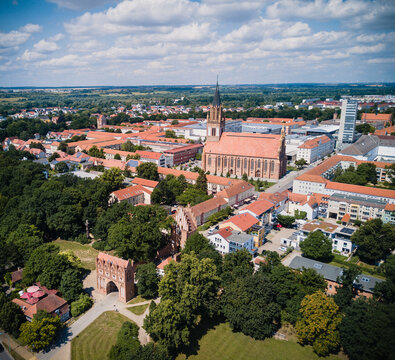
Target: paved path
{"type": "Point", "coordinates": [287, 181]}
{"type": "Point", "coordinates": [21, 350]}
{"type": "Point", "coordinates": [61, 350]}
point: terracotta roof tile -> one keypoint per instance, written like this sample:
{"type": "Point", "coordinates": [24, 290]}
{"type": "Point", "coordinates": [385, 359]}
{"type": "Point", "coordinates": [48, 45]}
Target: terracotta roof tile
{"type": "Point", "coordinates": [259, 207]}
{"type": "Point", "coordinates": [243, 221]}
{"type": "Point", "coordinates": [244, 144]}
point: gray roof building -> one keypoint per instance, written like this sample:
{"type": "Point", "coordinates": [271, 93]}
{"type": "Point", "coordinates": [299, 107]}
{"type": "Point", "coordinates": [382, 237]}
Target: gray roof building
{"type": "Point", "coordinates": [332, 273]}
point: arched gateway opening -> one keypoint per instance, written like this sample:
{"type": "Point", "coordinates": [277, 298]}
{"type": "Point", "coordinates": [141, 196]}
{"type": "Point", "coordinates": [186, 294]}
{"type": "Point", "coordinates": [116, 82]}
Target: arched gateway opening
{"type": "Point", "coordinates": [111, 287]}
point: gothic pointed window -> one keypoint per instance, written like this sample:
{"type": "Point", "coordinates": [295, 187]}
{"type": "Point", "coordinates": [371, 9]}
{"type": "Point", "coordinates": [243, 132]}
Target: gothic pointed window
{"type": "Point", "coordinates": [272, 166]}
{"type": "Point", "coordinates": [238, 163]}
{"type": "Point", "coordinates": [252, 164]}
{"type": "Point", "coordinates": [225, 161]}
{"type": "Point", "coordinates": [213, 132]}
{"type": "Point", "coordinates": [265, 166]}
{"type": "Point", "coordinates": [209, 160]}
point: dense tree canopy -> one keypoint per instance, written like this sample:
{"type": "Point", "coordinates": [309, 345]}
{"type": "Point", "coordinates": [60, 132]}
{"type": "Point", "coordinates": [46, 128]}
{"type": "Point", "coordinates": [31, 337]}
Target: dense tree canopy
{"type": "Point", "coordinates": [148, 171]}
{"type": "Point", "coordinates": [367, 330]}
{"type": "Point", "coordinates": [38, 334]}
{"type": "Point", "coordinates": [138, 236]}
{"type": "Point", "coordinates": [375, 240]}
{"type": "Point", "coordinates": [148, 279]}
{"type": "Point", "coordinates": [317, 246]}
{"type": "Point", "coordinates": [11, 316]}
{"type": "Point", "coordinates": [250, 306]}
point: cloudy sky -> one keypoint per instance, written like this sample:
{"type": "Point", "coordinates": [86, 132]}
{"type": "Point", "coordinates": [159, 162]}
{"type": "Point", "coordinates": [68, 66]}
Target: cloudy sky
{"type": "Point", "coordinates": [143, 42]}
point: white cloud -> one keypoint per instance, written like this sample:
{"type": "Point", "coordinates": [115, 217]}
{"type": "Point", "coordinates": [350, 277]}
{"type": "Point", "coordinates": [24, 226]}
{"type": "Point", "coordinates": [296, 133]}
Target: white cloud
{"type": "Point", "coordinates": [44, 46]}
{"type": "Point", "coordinates": [65, 61]}
{"type": "Point", "coordinates": [133, 15]}
{"type": "Point", "coordinates": [381, 60]}
{"type": "Point", "coordinates": [367, 49]}
{"type": "Point", "coordinates": [31, 28]}
{"type": "Point", "coordinates": [56, 37]}
{"type": "Point", "coordinates": [18, 37]}
{"type": "Point", "coordinates": [30, 55]}
{"type": "Point", "coordinates": [80, 4]}
{"type": "Point", "coordinates": [316, 9]}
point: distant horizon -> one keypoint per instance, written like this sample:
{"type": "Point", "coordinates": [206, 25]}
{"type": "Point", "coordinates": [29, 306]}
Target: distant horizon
{"type": "Point", "coordinates": [389, 84]}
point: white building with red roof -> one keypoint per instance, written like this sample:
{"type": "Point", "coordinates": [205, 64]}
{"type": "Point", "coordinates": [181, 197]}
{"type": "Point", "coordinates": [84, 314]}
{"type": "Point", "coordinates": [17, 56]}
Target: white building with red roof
{"type": "Point", "coordinates": [134, 195]}
{"type": "Point", "coordinates": [315, 149]}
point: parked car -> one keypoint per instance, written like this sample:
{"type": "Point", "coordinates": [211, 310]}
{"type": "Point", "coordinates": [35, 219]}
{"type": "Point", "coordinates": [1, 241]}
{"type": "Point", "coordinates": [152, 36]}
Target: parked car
{"type": "Point", "coordinates": [282, 248]}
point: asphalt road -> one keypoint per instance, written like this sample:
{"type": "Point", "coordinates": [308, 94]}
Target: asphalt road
{"type": "Point", "coordinates": [287, 181]}
{"type": "Point", "coordinates": [4, 355]}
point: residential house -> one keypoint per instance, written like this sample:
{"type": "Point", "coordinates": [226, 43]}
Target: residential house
{"type": "Point", "coordinates": [37, 298]}
{"type": "Point", "coordinates": [363, 285]}
{"type": "Point", "coordinates": [315, 149]}
{"type": "Point", "coordinates": [227, 240]}
{"type": "Point", "coordinates": [134, 195]}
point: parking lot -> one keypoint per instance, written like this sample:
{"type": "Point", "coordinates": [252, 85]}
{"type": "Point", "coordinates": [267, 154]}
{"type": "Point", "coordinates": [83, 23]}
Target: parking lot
{"type": "Point", "coordinates": [273, 240]}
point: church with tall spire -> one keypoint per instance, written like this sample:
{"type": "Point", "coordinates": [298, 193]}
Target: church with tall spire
{"type": "Point", "coordinates": [259, 156]}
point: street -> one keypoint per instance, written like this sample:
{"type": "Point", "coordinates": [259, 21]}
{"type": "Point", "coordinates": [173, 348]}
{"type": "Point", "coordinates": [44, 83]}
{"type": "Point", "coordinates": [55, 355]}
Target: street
{"type": "Point", "coordinates": [286, 182]}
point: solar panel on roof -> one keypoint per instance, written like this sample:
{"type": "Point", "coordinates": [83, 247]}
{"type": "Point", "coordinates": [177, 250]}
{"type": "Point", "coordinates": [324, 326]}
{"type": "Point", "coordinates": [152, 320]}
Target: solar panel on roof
{"type": "Point", "coordinates": [347, 231]}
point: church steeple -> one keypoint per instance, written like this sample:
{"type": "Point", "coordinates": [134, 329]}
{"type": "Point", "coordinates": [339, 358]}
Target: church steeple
{"type": "Point", "coordinates": [215, 118]}
{"type": "Point", "coordinates": [217, 97]}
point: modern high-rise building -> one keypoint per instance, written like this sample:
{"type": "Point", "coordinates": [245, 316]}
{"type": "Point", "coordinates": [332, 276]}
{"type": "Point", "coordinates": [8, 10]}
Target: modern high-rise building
{"type": "Point", "coordinates": [348, 119]}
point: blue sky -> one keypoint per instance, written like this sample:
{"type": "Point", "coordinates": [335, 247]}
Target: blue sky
{"type": "Point", "coordinates": [143, 42]}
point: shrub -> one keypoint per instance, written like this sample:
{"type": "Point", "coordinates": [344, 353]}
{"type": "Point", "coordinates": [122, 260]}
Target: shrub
{"type": "Point", "coordinates": [81, 305]}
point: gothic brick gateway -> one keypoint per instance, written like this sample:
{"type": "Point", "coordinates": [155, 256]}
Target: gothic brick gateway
{"type": "Point", "coordinates": [115, 274]}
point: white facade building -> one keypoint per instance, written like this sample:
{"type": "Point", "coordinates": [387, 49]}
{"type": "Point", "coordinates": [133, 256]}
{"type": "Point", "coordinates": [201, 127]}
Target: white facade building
{"type": "Point", "coordinates": [348, 119]}
{"type": "Point", "coordinates": [315, 149]}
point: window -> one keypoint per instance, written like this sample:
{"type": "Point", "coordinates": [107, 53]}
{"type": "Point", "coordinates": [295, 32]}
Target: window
{"type": "Point", "coordinates": [252, 164]}
{"type": "Point", "coordinates": [209, 160]}
{"type": "Point", "coordinates": [225, 161]}
{"type": "Point", "coordinates": [213, 132]}
{"type": "Point", "coordinates": [238, 163]}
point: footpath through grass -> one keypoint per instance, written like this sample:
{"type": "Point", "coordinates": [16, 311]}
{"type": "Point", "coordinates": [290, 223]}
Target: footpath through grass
{"type": "Point", "coordinates": [221, 343]}
{"type": "Point", "coordinates": [86, 253]}
{"type": "Point", "coordinates": [95, 342]}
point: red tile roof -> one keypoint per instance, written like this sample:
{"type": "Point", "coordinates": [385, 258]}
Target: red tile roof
{"type": "Point", "coordinates": [112, 259]}
{"type": "Point", "coordinates": [390, 207]}
{"type": "Point", "coordinates": [346, 218]}
{"type": "Point", "coordinates": [208, 205]}
{"type": "Point", "coordinates": [130, 192]}
{"type": "Point", "coordinates": [235, 189]}
{"type": "Point", "coordinates": [376, 117]}
{"type": "Point", "coordinates": [313, 143]}
{"type": "Point", "coordinates": [259, 207]}
{"type": "Point", "coordinates": [145, 182]}
{"type": "Point", "coordinates": [149, 154]}
{"type": "Point", "coordinates": [358, 189]}
{"type": "Point", "coordinates": [276, 197]}
{"type": "Point", "coordinates": [244, 144]}
{"type": "Point", "coordinates": [225, 232]}
{"type": "Point", "coordinates": [243, 221]}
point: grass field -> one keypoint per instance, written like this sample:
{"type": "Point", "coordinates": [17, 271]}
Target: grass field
{"type": "Point", "coordinates": [222, 343]}
{"type": "Point", "coordinates": [138, 310]}
{"type": "Point", "coordinates": [86, 253]}
{"type": "Point", "coordinates": [136, 300]}
{"type": "Point", "coordinates": [95, 342]}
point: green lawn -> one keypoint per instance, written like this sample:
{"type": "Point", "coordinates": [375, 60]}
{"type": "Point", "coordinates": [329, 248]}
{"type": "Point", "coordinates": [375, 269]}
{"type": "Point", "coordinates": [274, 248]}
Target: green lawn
{"type": "Point", "coordinates": [86, 253]}
{"type": "Point", "coordinates": [136, 300]}
{"type": "Point", "coordinates": [222, 343]}
{"type": "Point", "coordinates": [138, 310]}
{"type": "Point", "coordinates": [95, 342]}
{"type": "Point", "coordinates": [339, 260]}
